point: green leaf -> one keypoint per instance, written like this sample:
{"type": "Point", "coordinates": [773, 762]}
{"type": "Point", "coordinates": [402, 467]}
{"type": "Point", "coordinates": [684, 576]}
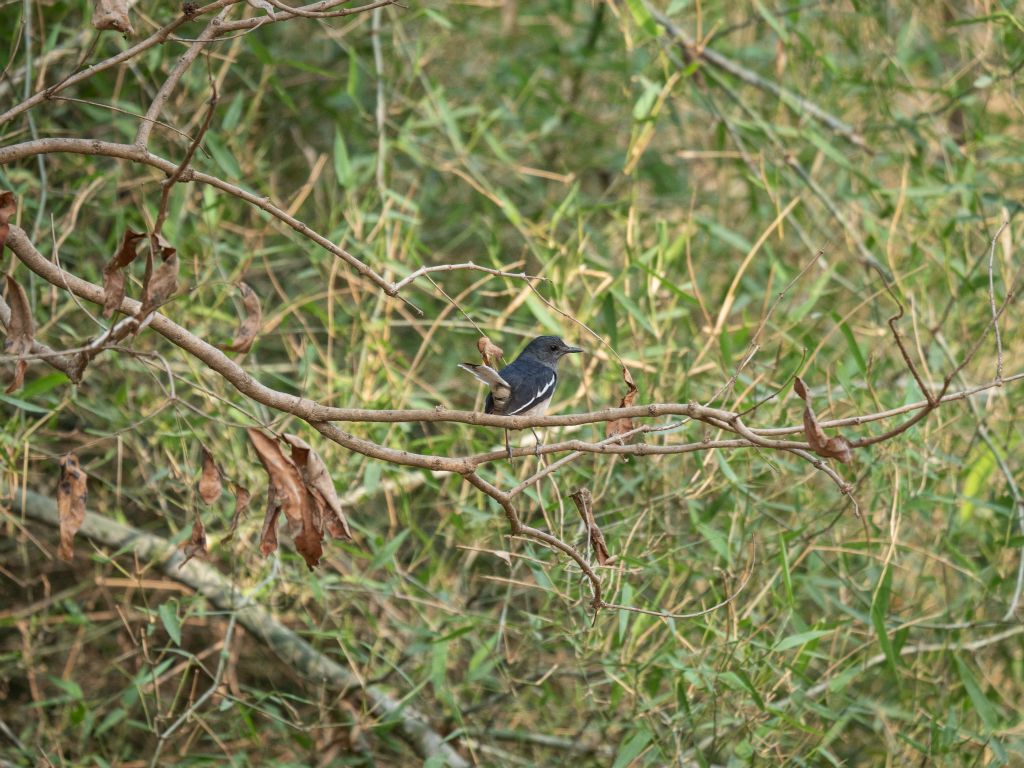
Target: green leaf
{"type": "Point", "coordinates": [387, 552]}
{"type": "Point", "coordinates": [169, 616]}
{"type": "Point", "coordinates": [988, 714]}
{"type": "Point", "coordinates": [342, 165]}
{"type": "Point", "coordinates": [645, 104]}
{"type": "Point", "coordinates": [43, 384]}
{"type": "Point", "coordinates": [631, 748]}
{"type": "Point", "coordinates": [801, 638]}
{"type": "Point", "coordinates": [851, 344]}
{"type": "Point", "coordinates": [977, 479]}
{"type": "Point", "coordinates": [223, 157]}
{"type": "Point", "coordinates": [787, 579]}
{"type": "Point", "coordinates": [879, 610]}
{"type": "Point", "coordinates": [22, 404]}
{"type": "Point", "coordinates": [643, 19]}
{"type": "Point", "coordinates": [543, 314]}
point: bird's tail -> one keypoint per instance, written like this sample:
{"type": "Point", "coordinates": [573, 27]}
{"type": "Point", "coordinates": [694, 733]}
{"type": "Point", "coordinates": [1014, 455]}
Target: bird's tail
{"type": "Point", "coordinates": [501, 390]}
{"type": "Point", "coordinates": [486, 374]}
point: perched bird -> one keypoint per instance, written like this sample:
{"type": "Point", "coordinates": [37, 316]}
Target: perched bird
{"type": "Point", "coordinates": [525, 386]}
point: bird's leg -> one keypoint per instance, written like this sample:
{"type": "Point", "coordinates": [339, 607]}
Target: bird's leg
{"type": "Point", "coordinates": [508, 446]}
{"type": "Point", "coordinates": [536, 444]}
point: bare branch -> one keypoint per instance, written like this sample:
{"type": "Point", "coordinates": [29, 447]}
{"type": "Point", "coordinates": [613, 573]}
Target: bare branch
{"type": "Point", "coordinates": [170, 181]}
{"type": "Point", "coordinates": [211, 31]}
{"type": "Point", "coordinates": [468, 265]}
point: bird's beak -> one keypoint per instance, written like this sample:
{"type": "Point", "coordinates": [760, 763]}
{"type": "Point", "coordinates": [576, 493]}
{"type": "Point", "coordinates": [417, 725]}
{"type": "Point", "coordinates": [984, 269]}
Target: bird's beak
{"type": "Point", "coordinates": [568, 350]}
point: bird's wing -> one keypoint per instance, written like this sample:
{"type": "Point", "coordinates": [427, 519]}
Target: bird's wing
{"type": "Point", "coordinates": [501, 390]}
{"type": "Point", "coordinates": [531, 384]}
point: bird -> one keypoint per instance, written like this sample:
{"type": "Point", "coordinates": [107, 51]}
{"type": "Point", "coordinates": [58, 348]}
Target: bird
{"type": "Point", "coordinates": [523, 387]}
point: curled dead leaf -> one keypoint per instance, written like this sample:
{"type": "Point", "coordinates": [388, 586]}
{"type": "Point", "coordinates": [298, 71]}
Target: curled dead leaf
{"type": "Point", "coordinates": [113, 274]}
{"type": "Point", "coordinates": [319, 483]}
{"type": "Point", "coordinates": [161, 247]}
{"type": "Point", "coordinates": [293, 497]}
{"type": "Point", "coordinates": [827, 447]}
{"type": "Point", "coordinates": [284, 477]}
{"type": "Point", "coordinates": [209, 482]}
{"type": "Point", "coordinates": [621, 426]}
{"type": "Point", "coordinates": [8, 207]}
{"type": "Point", "coordinates": [72, 491]}
{"type": "Point", "coordinates": [584, 502]}
{"type": "Point", "coordinates": [112, 14]}
{"type": "Point", "coordinates": [20, 331]}
{"type": "Point", "coordinates": [242, 499]}
{"type": "Point", "coordinates": [162, 283]}
{"type": "Point", "coordinates": [250, 324]}
{"type": "Point", "coordinates": [630, 396]}
{"type": "Point", "coordinates": [268, 536]}
{"type": "Point", "coordinates": [196, 544]}
{"type": "Point", "coordinates": [489, 351]}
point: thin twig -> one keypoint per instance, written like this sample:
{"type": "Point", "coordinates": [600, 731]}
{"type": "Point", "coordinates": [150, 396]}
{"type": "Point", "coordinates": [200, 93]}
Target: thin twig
{"type": "Point", "coordinates": [992, 299]}
{"type": "Point", "coordinates": [468, 265]}
{"type": "Point", "coordinates": [306, 13]}
{"type": "Point", "coordinates": [211, 31]}
{"type": "Point", "coordinates": [172, 179]}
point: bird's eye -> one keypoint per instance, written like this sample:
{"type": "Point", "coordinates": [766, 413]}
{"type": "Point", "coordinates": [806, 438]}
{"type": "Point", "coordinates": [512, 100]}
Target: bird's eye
{"type": "Point", "coordinates": [554, 347]}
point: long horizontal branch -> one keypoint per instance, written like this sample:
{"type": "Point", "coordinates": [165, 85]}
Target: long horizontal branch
{"type": "Point", "coordinates": [319, 414]}
{"type": "Point", "coordinates": [292, 649]}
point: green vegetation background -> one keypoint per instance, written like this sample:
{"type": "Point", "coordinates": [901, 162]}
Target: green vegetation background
{"type": "Point", "coordinates": [575, 141]}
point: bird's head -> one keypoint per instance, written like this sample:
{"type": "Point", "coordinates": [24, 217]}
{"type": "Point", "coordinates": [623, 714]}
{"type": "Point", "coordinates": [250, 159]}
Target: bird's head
{"type": "Point", "coordinates": [548, 350]}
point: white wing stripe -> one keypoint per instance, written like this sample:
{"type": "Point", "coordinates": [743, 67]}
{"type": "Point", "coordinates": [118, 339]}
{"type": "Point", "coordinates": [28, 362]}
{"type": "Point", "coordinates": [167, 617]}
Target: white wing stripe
{"type": "Point", "coordinates": [536, 398]}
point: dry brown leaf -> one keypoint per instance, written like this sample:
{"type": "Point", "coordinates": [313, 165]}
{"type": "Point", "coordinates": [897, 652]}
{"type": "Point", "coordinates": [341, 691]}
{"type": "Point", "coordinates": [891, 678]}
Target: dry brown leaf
{"type": "Point", "coordinates": [242, 498]}
{"type": "Point", "coordinates": [489, 351]}
{"type": "Point", "coordinates": [319, 482]}
{"type": "Point", "coordinates": [8, 207]}
{"type": "Point", "coordinates": [112, 14]}
{"type": "Point", "coordinates": [268, 536]}
{"type": "Point", "coordinates": [625, 424]}
{"type": "Point", "coordinates": [19, 377]}
{"type": "Point", "coordinates": [209, 482]}
{"type": "Point", "coordinates": [196, 545]}
{"type": "Point", "coordinates": [164, 249]}
{"type": "Point", "coordinates": [113, 275]}
{"type": "Point", "coordinates": [295, 500]}
{"type": "Point", "coordinates": [284, 476]}
{"type": "Point", "coordinates": [72, 491]}
{"type": "Point", "coordinates": [584, 502]}
{"type": "Point", "coordinates": [309, 544]}
{"type": "Point", "coordinates": [250, 325]}
{"type": "Point", "coordinates": [20, 331]}
{"type": "Point", "coordinates": [161, 285]}
{"type": "Point", "coordinates": [828, 447]}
